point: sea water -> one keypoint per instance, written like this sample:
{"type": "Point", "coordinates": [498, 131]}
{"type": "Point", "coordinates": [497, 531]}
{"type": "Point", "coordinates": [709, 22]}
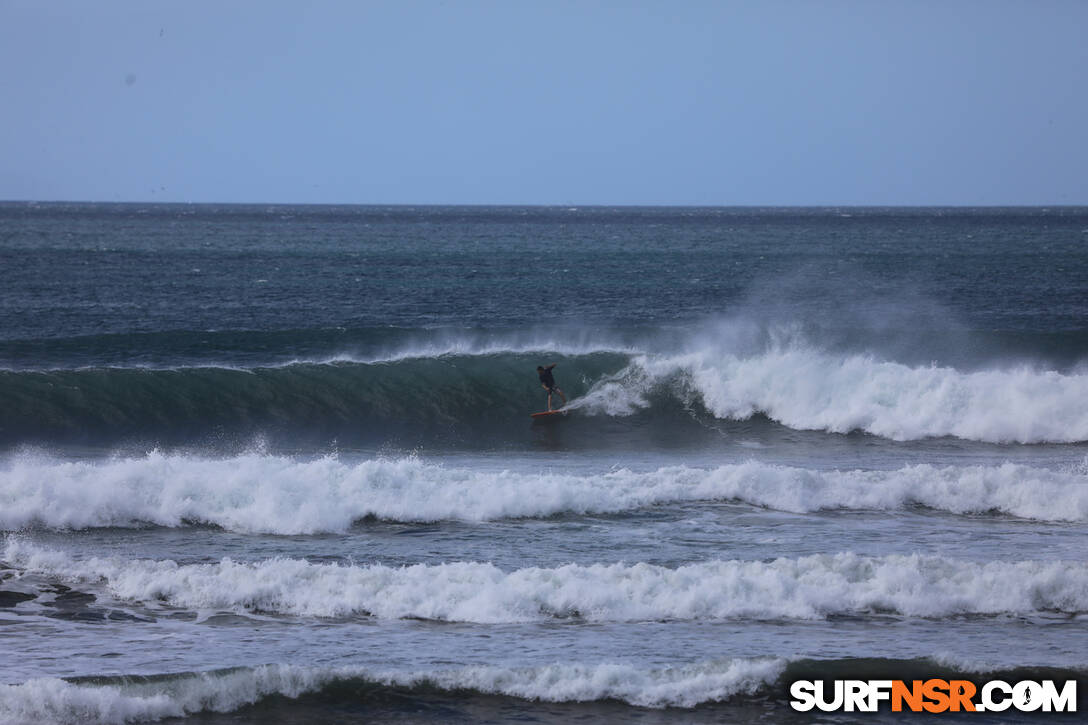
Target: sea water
{"type": "Point", "coordinates": [276, 464]}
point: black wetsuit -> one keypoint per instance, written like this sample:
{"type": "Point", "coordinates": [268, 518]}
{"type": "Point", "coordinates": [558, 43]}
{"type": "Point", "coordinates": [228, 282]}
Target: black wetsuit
{"type": "Point", "coordinates": [546, 378]}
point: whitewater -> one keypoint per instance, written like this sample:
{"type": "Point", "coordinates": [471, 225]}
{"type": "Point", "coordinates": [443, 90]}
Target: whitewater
{"type": "Point", "coordinates": [807, 389]}
{"type": "Point", "coordinates": [262, 493]}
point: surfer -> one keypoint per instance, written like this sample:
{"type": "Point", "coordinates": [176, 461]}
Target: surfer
{"type": "Point", "coordinates": [548, 383]}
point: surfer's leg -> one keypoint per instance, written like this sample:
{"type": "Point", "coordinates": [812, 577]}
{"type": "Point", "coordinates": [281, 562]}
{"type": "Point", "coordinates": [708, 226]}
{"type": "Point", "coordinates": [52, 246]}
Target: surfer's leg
{"type": "Point", "coordinates": [549, 400]}
{"type": "Point", "coordinates": [561, 395]}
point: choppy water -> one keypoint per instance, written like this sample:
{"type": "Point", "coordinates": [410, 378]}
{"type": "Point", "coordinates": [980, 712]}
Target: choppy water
{"type": "Point", "coordinates": [276, 464]}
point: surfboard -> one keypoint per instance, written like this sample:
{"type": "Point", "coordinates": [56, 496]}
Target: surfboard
{"type": "Point", "coordinates": [548, 413]}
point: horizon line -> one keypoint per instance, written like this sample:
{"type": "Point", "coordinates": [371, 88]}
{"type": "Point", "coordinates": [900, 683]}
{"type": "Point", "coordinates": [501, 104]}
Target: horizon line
{"type": "Point", "coordinates": [546, 205]}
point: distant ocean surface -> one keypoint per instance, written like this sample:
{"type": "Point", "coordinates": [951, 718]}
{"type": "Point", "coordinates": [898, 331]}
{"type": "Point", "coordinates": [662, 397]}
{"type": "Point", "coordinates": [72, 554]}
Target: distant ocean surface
{"type": "Point", "coordinates": [276, 464]}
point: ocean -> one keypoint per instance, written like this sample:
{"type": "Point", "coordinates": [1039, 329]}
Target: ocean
{"type": "Point", "coordinates": [276, 463]}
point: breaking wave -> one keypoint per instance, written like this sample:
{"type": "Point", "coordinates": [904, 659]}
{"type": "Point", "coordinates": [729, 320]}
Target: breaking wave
{"type": "Point", "coordinates": [115, 700]}
{"type": "Point", "coordinates": [261, 493]}
{"type": "Point", "coordinates": [808, 587]}
{"type": "Point", "coordinates": [461, 385]}
{"type": "Point", "coordinates": [721, 689]}
{"type": "Point", "coordinates": [486, 397]}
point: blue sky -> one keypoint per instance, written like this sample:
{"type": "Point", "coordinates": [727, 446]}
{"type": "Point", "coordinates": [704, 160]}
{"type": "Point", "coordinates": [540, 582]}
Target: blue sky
{"type": "Point", "coordinates": [720, 103]}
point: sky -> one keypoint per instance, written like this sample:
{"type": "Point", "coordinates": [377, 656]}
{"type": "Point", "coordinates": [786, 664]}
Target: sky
{"type": "Point", "coordinates": [764, 102]}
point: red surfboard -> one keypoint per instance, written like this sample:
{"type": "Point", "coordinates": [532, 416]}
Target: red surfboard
{"type": "Point", "coordinates": [548, 413]}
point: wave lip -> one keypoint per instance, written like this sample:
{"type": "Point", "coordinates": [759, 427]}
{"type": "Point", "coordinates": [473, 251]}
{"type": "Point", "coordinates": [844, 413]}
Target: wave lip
{"type": "Point", "coordinates": [259, 493]}
{"type": "Point", "coordinates": [254, 349]}
{"type": "Point", "coordinates": [809, 587]}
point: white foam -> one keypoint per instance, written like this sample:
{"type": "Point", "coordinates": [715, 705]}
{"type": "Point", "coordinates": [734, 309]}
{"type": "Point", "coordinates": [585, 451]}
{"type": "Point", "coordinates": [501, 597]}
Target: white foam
{"type": "Point", "coordinates": [810, 587]}
{"type": "Point", "coordinates": [804, 388]}
{"type": "Point", "coordinates": [960, 663]}
{"type": "Point", "coordinates": [57, 701]}
{"type": "Point", "coordinates": [681, 686]}
{"type": "Point", "coordinates": [275, 494]}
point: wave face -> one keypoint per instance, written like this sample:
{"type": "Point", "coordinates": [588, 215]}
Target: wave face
{"type": "Point", "coordinates": [431, 398]}
{"type": "Point", "coordinates": [808, 587]}
{"type": "Point", "coordinates": [445, 397]}
{"type": "Point", "coordinates": [261, 493]}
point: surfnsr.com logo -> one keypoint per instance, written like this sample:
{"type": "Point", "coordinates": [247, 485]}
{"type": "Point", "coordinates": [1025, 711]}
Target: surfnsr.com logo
{"type": "Point", "coordinates": [934, 696]}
